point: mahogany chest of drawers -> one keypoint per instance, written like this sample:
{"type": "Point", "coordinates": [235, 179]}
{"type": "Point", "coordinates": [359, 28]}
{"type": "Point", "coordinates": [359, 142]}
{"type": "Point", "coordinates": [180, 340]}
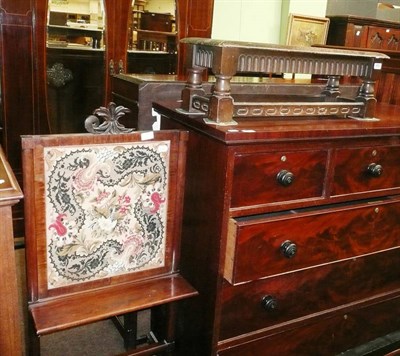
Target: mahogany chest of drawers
{"type": "Point", "coordinates": [291, 233]}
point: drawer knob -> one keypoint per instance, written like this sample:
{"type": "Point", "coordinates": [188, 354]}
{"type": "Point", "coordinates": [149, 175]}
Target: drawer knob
{"type": "Point", "coordinates": [285, 178]}
{"type": "Point", "coordinates": [288, 249]}
{"type": "Point", "coordinates": [375, 170]}
{"type": "Point", "coordinates": [269, 303]}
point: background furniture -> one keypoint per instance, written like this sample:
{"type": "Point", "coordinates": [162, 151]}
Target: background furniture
{"type": "Point", "coordinates": [10, 318]}
{"type": "Point", "coordinates": [291, 227]}
{"type": "Point", "coordinates": [138, 92]}
{"type": "Point", "coordinates": [103, 223]}
{"type": "Point", "coordinates": [354, 32]}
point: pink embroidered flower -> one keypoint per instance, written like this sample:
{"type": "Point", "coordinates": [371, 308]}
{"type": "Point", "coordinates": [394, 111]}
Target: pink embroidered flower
{"type": "Point", "coordinates": [152, 197]}
{"type": "Point", "coordinates": [123, 210]}
{"type": "Point", "coordinates": [102, 196]}
{"type": "Point", "coordinates": [157, 200]}
{"type": "Point", "coordinates": [124, 202]}
{"type": "Point", "coordinates": [84, 180]}
{"type": "Point", "coordinates": [133, 244]}
{"type": "Point", "coordinates": [58, 225]}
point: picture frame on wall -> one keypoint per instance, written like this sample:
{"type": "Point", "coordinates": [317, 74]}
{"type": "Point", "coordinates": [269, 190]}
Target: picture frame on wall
{"type": "Point", "coordinates": [307, 30]}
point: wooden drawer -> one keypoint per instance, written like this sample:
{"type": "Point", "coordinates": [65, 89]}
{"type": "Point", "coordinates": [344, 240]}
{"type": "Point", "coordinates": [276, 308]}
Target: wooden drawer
{"type": "Point", "coordinates": [260, 178]}
{"type": "Point", "coordinates": [353, 170]}
{"type": "Point", "coordinates": [308, 292]}
{"type": "Point", "coordinates": [326, 336]}
{"type": "Point", "coordinates": [271, 244]}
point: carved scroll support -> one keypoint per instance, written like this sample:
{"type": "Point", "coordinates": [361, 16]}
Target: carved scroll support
{"type": "Point", "coordinates": [110, 117]}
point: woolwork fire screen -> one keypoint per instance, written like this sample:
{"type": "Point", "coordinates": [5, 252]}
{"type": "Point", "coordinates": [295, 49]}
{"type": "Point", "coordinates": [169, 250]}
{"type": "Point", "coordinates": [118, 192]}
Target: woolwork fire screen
{"type": "Point", "coordinates": [105, 210]}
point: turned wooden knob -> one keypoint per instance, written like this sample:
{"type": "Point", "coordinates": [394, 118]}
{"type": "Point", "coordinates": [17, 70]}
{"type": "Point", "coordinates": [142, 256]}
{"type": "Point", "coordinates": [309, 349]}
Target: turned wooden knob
{"type": "Point", "coordinates": [269, 303]}
{"type": "Point", "coordinates": [375, 170]}
{"type": "Point", "coordinates": [285, 177]}
{"type": "Point", "coordinates": [288, 249]}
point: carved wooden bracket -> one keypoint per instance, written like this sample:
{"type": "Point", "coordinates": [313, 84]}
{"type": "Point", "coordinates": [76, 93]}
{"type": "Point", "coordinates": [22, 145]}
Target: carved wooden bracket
{"type": "Point", "coordinates": [110, 124]}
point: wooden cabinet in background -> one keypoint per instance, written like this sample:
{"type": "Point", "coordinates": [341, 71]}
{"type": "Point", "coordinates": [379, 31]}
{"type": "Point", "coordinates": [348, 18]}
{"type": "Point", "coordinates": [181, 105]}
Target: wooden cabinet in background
{"type": "Point", "coordinates": [372, 35]}
{"type": "Point", "coordinates": [383, 38]}
{"type": "Point", "coordinates": [353, 31]}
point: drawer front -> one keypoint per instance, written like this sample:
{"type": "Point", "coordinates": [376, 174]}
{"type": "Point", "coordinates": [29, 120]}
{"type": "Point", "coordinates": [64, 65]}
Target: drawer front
{"type": "Point", "coordinates": [265, 303]}
{"type": "Point", "coordinates": [262, 247]}
{"type": "Point", "coordinates": [366, 169]}
{"type": "Point", "coordinates": [327, 336]}
{"type": "Point", "coordinates": [277, 177]}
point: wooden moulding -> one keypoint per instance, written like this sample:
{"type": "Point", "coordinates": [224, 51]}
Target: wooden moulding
{"type": "Point", "coordinates": [10, 328]}
{"type": "Point", "coordinates": [227, 58]}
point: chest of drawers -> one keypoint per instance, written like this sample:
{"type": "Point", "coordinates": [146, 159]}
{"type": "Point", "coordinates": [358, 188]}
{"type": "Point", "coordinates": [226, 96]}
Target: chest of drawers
{"type": "Point", "coordinates": [291, 233]}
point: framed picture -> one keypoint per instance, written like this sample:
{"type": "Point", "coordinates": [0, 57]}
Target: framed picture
{"type": "Point", "coordinates": [307, 30]}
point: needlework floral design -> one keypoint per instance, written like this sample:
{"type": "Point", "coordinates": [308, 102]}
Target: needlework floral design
{"type": "Point", "coordinates": [105, 210]}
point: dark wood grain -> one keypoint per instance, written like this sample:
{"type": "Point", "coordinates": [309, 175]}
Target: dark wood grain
{"type": "Point", "coordinates": [358, 230]}
{"type": "Point", "coordinates": [304, 293]}
{"type": "Point", "coordinates": [351, 175]}
{"type": "Point", "coordinates": [62, 313]}
{"type": "Point", "coordinates": [330, 335]}
{"type": "Point", "coordinates": [307, 167]}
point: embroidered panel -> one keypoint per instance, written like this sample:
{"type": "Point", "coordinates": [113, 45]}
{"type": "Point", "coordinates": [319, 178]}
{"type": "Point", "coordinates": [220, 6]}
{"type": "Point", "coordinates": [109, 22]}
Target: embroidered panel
{"type": "Point", "coordinates": [105, 210]}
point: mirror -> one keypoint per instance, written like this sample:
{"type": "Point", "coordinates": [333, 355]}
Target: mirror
{"type": "Point", "coordinates": [75, 62]}
{"type": "Point", "coordinates": [142, 39]}
{"type": "Point", "coordinates": [152, 36]}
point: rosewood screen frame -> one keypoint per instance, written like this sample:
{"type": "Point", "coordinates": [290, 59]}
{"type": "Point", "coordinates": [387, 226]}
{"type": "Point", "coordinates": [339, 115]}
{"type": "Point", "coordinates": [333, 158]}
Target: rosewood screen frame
{"type": "Point", "coordinates": [34, 149]}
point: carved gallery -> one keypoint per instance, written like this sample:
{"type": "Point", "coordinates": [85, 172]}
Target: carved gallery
{"type": "Point", "coordinates": [200, 177]}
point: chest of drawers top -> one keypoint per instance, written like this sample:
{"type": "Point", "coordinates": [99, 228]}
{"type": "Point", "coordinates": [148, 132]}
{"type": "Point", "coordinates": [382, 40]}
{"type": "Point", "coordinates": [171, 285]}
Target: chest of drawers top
{"type": "Point", "coordinates": [275, 130]}
{"type": "Point", "coordinates": [286, 163]}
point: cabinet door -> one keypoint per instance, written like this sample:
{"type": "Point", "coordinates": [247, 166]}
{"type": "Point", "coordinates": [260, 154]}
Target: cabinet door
{"type": "Point", "coordinates": [91, 70]}
{"type": "Point", "coordinates": [117, 13]}
{"type": "Point", "coordinates": [194, 20]}
{"type": "Point", "coordinates": [383, 38]}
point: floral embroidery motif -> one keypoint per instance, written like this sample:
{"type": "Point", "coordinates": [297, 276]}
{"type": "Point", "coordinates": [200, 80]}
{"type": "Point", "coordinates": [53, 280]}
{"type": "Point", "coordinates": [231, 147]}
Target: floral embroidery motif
{"type": "Point", "coordinates": [105, 210]}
